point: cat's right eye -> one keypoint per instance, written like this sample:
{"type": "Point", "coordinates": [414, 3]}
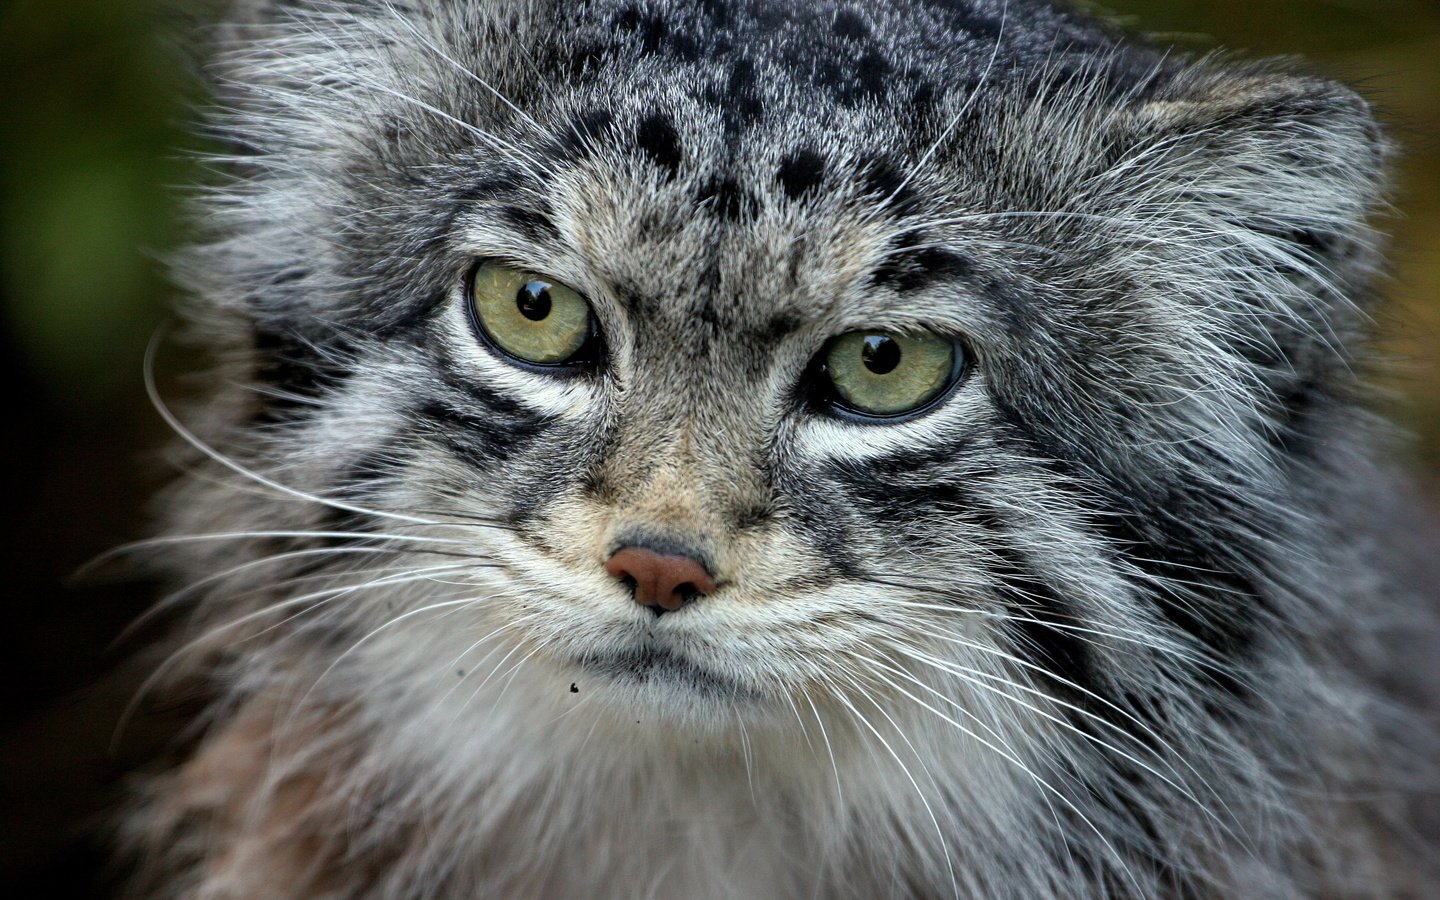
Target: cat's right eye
{"type": "Point", "coordinates": [531, 318]}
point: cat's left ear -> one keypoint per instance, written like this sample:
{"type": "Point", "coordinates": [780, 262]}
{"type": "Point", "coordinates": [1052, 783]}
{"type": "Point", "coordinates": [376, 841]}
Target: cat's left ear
{"type": "Point", "coordinates": [1291, 168]}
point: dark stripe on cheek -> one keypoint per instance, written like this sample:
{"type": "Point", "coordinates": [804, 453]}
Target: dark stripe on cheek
{"type": "Point", "coordinates": [294, 374]}
{"type": "Point", "coordinates": [1180, 539]}
{"type": "Point", "coordinates": [817, 517]}
{"type": "Point", "coordinates": [481, 442]}
{"type": "Point", "coordinates": [1040, 614]}
{"type": "Point", "coordinates": [895, 491]}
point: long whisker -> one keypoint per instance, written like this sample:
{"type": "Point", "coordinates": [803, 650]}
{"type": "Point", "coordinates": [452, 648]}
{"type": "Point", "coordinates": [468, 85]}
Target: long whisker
{"type": "Point", "coordinates": [829, 751]}
{"type": "Point", "coordinates": [319, 598]}
{"type": "Point", "coordinates": [1055, 792]}
{"type": "Point", "coordinates": [175, 597]}
{"type": "Point", "coordinates": [970, 677]}
{"type": "Point", "coordinates": [904, 769]}
{"type": "Point", "coordinates": [478, 642]}
{"type": "Point", "coordinates": [153, 391]}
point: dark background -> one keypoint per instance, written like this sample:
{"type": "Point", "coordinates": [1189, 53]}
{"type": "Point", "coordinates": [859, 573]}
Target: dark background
{"type": "Point", "coordinates": [94, 100]}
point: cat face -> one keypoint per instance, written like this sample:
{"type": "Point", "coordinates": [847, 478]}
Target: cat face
{"type": "Point", "coordinates": [695, 410]}
{"type": "Point", "coordinates": [689, 448]}
{"type": "Point", "coordinates": [1103, 287]}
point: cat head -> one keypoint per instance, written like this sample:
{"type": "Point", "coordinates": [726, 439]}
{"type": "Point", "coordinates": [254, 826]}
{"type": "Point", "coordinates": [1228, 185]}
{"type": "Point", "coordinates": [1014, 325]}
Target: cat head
{"type": "Point", "coordinates": [908, 348]}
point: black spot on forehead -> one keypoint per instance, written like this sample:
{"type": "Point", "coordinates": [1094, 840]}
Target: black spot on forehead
{"type": "Point", "coordinates": [965, 20]}
{"type": "Point", "coordinates": [847, 74]}
{"type": "Point", "coordinates": [763, 61]}
{"type": "Point", "coordinates": [741, 99]}
{"type": "Point", "coordinates": [583, 60]}
{"type": "Point", "coordinates": [588, 131]}
{"type": "Point", "coordinates": [657, 138]}
{"type": "Point", "coordinates": [717, 11]}
{"type": "Point", "coordinates": [658, 33]}
{"type": "Point", "coordinates": [884, 180]}
{"type": "Point", "coordinates": [849, 25]}
{"type": "Point", "coordinates": [724, 197]}
{"type": "Point", "coordinates": [801, 172]}
{"type": "Point", "coordinates": [871, 72]}
{"type": "Point", "coordinates": [922, 98]}
{"type": "Point", "coordinates": [780, 325]}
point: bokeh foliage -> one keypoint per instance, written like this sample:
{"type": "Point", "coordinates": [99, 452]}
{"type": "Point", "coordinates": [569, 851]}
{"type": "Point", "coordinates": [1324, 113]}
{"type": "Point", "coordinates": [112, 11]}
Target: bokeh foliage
{"type": "Point", "coordinates": [93, 129]}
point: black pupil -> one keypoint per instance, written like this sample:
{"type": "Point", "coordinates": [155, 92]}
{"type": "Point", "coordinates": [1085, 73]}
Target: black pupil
{"type": "Point", "coordinates": [880, 354]}
{"type": "Point", "coordinates": [533, 300]}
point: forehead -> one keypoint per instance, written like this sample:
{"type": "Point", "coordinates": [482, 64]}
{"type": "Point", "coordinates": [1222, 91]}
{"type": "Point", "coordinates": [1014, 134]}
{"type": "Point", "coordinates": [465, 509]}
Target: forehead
{"type": "Point", "coordinates": [762, 242]}
{"type": "Point", "coordinates": [849, 53]}
{"type": "Point", "coordinates": [752, 162]}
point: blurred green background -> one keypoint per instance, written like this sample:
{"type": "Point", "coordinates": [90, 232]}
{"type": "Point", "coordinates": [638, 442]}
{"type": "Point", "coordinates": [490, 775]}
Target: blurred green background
{"type": "Point", "coordinates": [94, 100]}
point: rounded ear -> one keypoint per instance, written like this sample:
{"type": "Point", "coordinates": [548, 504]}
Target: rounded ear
{"type": "Point", "coordinates": [1299, 161]}
{"type": "Point", "coordinates": [239, 20]}
{"type": "Point", "coordinates": [252, 12]}
{"type": "Point", "coordinates": [246, 20]}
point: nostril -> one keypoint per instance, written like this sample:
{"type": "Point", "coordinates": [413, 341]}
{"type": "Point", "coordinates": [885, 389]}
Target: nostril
{"type": "Point", "coordinates": [664, 582]}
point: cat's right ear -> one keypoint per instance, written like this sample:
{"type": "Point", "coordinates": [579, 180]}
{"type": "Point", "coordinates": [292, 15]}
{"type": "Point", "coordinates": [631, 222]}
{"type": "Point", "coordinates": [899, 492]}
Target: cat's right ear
{"type": "Point", "coordinates": [244, 22]}
{"type": "Point", "coordinates": [257, 12]}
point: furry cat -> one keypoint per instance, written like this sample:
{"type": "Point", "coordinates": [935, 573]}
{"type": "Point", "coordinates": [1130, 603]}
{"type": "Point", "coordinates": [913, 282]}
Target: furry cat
{"type": "Point", "coordinates": [685, 448]}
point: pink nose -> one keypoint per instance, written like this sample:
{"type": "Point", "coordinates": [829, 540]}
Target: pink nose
{"type": "Point", "coordinates": [661, 581]}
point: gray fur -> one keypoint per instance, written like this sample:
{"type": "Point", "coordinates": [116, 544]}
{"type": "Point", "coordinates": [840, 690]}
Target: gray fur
{"type": "Point", "coordinates": [1117, 619]}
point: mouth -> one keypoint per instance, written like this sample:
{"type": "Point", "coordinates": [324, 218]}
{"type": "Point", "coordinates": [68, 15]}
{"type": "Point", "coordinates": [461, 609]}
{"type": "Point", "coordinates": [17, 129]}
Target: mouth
{"type": "Point", "coordinates": [664, 668]}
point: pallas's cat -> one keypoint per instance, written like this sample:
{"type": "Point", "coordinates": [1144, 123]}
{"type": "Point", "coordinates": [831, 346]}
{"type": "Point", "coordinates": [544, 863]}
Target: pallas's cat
{"type": "Point", "coordinates": [768, 449]}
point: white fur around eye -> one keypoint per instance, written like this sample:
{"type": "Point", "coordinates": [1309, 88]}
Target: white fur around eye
{"type": "Point", "coordinates": [822, 436]}
{"type": "Point", "coordinates": [560, 396]}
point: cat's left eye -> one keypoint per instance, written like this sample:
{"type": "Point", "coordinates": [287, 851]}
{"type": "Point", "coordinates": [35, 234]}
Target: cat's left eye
{"type": "Point", "coordinates": [530, 317]}
{"type": "Point", "coordinates": [883, 376]}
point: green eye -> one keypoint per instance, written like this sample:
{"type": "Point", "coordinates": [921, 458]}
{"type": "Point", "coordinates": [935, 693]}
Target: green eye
{"type": "Point", "coordinates": [875, 373]}
{"type": "Point", "coordinates": [528, 316]}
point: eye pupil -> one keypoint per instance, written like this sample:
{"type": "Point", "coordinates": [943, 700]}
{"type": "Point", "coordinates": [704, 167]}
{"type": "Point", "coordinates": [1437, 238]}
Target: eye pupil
{"type": "Point", "coordinates": [880, 354]}
{"type": "Point", "coordinates": [533, 300]}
